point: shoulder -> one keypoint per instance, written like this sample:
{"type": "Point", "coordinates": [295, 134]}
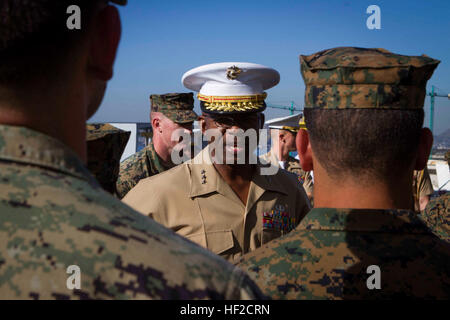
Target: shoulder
{"type": "Point", "coordinates": [172, 178]}
{"type": "Point", "coordinates": [290, 180]}
{"type": "Point", "coordinates": [149, 192]}
{"type": "Point", "coordinates": [280, 259]}
{"type": "Point", "coordinates": [113, 245]}
{"type": "Point", "coordinates": [437, 216]}
{"type": "Point", "coordinates": [437, 207]}
{"type": "Point", "coordinates": [135, 159]}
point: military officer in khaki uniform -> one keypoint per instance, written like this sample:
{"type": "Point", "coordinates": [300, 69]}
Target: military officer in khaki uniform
{"type": "Point", "coordinates": [168, 112]}
{"type": "Point", "coordinates": [226, 207]}
{"type": "Point", "coordinates": [362, 239]}
{"type": "Point", "coordinates": [283, 132]}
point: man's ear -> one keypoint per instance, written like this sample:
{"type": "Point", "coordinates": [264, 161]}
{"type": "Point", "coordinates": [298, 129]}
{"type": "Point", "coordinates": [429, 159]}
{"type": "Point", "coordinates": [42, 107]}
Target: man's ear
{"type": "Point", "coordinates": [156, 123]}
{"type": "Point", "coordinates": [106, 31]}
{"type": "Point", "coordinates": [304, 150]}
{"type": "Point", "coordinates": [424, 149]}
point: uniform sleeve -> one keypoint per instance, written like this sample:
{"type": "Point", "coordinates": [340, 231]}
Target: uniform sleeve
{"type": "Point", "coordinates": [132, 170]}
{"type": "Point", "coordinates": [243, 288]}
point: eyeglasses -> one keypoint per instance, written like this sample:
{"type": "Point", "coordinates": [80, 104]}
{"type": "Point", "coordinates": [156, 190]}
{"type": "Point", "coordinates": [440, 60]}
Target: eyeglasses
{"type": "Point", "coordinates": [229, 122]}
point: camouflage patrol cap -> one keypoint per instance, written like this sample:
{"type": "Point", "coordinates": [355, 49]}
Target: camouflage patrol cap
{"type": "Point", "coordinates": [349, 77]}
{"type": "Point", "coordinates": [105, 145]}
{"type": "Point", "coordinates": [178, 107]}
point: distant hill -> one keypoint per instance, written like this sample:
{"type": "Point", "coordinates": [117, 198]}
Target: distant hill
{"type": "Point", "coordinates": [442, 141]}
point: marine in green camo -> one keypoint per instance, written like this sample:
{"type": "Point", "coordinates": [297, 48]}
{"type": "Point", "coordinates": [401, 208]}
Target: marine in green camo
{"type": "Point", "coordinates": [437, 216]}
{"type": "Point", "coordinates": [54, 214]}
{"type": "Point", "coordinates": [327, 255]}
{"type": "Point", "coordinates": [178, 107]}
{"type": "Point", "coordinates": [105, 145]}
{"type": "Point", "coordinates": [329, 252]}
{"type": "Point", "coordinates": [141, 165]}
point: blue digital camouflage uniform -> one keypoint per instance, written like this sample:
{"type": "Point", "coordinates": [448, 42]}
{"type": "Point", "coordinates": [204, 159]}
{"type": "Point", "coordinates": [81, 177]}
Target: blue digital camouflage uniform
{"type": "Point", "coordinates": [53, 214]}
{"type": "Point", "coordinates": [328, 255]}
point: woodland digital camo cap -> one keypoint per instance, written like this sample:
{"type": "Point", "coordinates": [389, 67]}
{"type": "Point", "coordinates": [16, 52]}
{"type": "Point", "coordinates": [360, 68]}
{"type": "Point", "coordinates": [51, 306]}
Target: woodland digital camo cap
{"type": "Point", "coordinates": [349, 77]}
{"type": "Point", "coordinates": [178, 107]}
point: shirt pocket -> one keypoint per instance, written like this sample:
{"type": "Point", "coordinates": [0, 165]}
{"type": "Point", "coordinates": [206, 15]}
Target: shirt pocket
{"type": "Point", "coordinates": [269, 234]}
{"type": "Point", "coordinates": [217, 241]}
{"type": "Point", "coordinates": [276, 223]}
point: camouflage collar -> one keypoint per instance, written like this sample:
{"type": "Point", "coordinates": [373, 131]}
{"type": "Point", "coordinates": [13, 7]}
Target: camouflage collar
{"type": "Point", "coordinates": [363, 220]}
{"type": "Point", "coordinates": [26, 146]}
{"type": "Point", "coordinates": [155, 159]}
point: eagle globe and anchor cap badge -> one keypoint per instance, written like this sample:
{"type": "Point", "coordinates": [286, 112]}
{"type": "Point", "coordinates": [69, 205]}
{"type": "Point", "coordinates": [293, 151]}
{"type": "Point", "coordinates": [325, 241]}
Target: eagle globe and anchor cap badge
{"type": "Point", "coordinates": [233, 72]}
{"type": "Point", "coordinates": [231, 87]}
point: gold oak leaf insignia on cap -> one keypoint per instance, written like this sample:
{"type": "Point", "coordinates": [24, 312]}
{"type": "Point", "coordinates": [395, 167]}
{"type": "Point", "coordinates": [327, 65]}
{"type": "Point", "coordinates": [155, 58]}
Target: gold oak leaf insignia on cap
{"type": "Point", "coordinates": [233, 72]}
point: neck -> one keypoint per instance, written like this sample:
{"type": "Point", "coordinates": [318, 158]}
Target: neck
{"type": "Point", "coordinates": [352, 193]}
{"type": "Point", "coordinates": [236, 172]}
{"type": "Point", "coordinates": [162, 152]}
{"type": "Point", "coordinates": [59, 116]}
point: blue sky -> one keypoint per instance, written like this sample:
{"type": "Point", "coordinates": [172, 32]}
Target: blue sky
{"type": "Point", "coordinates": [163, 39]}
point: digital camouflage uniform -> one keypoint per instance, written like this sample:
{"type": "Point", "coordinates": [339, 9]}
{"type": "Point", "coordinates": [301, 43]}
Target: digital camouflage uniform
{"type": "Point", "coordinates": [105, 145]}
{"type": "Point", "coordinates": [178, 107]}
{"type": "Point", "coordinates": [53, 214]}
{"type": "Point", "coordinates": [437, 216]}
{"type": "Point", "coordinates": [327, 255]}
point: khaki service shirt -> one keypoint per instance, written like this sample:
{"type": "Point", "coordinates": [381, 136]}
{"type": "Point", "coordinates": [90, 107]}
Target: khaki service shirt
{"type": "Point", "coordinates": [193, 200]}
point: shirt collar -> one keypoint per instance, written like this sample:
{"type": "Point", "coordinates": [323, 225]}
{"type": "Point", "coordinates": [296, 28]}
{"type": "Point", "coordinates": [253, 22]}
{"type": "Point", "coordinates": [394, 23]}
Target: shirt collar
{"type": "Point", "coordinates": [23, 145]}
{"type": "Point", "coordinates": [202, 166]}
{"type": "Point", "coordinates": [379, 220]}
